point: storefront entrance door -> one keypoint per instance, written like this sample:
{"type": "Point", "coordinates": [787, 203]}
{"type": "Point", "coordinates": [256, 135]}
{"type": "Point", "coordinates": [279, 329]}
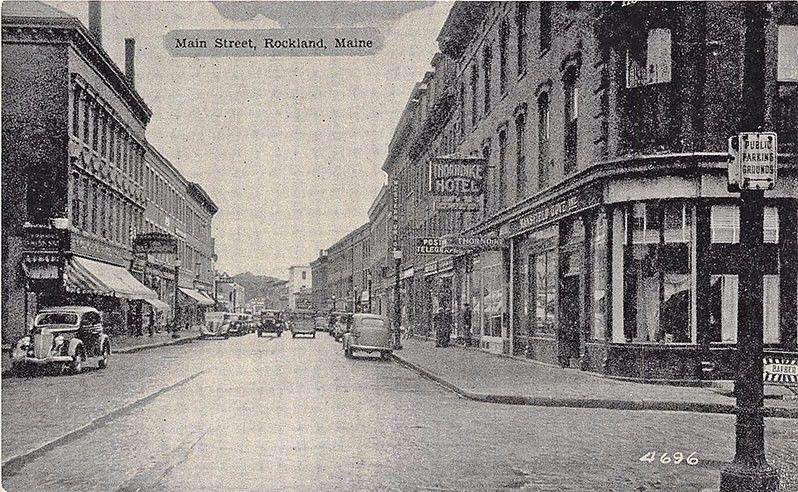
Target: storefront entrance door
{"type": "Point", "coordinates": [569, 319]}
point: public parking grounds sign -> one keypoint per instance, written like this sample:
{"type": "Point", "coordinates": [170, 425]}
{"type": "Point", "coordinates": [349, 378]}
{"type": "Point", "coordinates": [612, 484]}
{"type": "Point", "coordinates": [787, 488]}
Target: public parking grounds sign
{"type": "Point", "coordinates": [754, 161]}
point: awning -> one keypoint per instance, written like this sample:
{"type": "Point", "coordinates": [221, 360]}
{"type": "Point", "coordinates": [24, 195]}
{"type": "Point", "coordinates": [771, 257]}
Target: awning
{"type": "Point", "coordinates": [197, 296]}
{"type": "Point", "coordinates": [159, 305]}
{"type": "Point", "coordinates": [85, 276]}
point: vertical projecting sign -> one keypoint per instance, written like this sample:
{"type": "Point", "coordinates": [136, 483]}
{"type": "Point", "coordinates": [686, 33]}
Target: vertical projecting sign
{"type": "Point", "coordinates": [395, 214]}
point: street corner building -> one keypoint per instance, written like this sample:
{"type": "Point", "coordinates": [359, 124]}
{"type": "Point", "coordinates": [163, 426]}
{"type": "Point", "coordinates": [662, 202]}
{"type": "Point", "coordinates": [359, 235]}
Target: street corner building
{"type": "Point", "coordinates": [603, 130]}
{"type": "Point", "coordinates": [82, 186]}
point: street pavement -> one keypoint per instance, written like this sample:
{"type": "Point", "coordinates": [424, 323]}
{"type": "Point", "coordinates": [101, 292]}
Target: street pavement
{"type": "Point", "coordinates": [294, 414]}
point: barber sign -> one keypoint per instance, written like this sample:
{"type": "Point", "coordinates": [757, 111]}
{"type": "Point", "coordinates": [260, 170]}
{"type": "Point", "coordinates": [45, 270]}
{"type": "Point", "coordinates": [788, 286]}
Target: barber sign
{"type": "Point", "coordinates": [452, 176]}
{"type": "Point", "coordinates": [782, 369]}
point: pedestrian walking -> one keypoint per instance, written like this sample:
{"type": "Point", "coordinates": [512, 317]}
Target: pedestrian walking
{"type": "Point", "coordinates": [437, 325]}
{"type": "Point", "coordinates": [466, 317]}
{"type": "Point", "coordinates": [448, 325]}
{"type": "Point", "coordinates": [151, 321]}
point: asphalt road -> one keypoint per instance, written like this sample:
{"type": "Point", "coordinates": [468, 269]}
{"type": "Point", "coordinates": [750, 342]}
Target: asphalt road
{"type": "Point", "coordinates": [294, 414]}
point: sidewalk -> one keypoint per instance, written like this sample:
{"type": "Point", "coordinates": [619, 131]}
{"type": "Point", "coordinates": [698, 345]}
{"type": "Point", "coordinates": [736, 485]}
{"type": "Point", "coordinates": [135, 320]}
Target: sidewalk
{"type": "Point", "coordinates": [480, 376]}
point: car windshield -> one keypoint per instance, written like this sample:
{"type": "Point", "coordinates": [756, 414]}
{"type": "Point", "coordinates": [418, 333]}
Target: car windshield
{"type": "Point", "coordinates": [57, 319]}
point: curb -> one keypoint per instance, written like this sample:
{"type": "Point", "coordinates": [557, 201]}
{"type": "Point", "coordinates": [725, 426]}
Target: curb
{"type": "Point", "coordinates": [12, 465]}
{"type": "Point", "coordinates": [608, 404]}
{"type": "Point", "coordinates": [138, 348]}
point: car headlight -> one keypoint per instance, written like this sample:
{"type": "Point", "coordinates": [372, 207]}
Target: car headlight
{"type": "Point", "coordinates": [58, 341]}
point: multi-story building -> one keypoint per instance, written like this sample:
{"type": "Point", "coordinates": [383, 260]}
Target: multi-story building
{"type": "Point", "coordinates": [230, 296]}
{"type": "Point", "coordinates": [74, 153]}
{"type": "Point", "coordinates": [347, 271]}
{"type": "Point", "coordinates": [604, 127]}
{"type": "Point", "coordinates": [318, 276]}
{"type": "Point", "coordinates": [299, 285]}
{"type": "Point", "coordinates": [381, 265]}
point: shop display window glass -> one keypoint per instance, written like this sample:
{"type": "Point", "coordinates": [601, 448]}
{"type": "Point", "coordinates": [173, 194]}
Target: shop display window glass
{"type": "Point", "coordinates": [493, 297]}
{"type": "Point", "coordinates": [725, 224]}
{"type": "Point", "coordinates": [724, 306]}
{"type": "Point", "coordinates": [599, 277]}
{"type": "Point", "coordinates": [661, 272]}
{"type": "Point", "coordinates": [545, 291]}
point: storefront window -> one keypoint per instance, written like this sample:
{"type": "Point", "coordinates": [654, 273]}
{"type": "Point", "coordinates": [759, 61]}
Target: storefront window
{"type": "Point", "coordinates": [723, 302]}
{"type": "Point", "coordinates": [545, 291]}
{"type": "Point", "coordinates": [492, 296]}
{"type": "Point", "coordinates": [725, 224]}
{"type": "Point", "coordinates": [599, 277]}
{"type": "Point", "coordinates": [661, 280]}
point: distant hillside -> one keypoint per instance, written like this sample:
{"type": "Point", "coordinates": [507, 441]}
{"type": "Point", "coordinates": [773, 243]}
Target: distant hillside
{"type": "Point", "coordinates": [258, 285]}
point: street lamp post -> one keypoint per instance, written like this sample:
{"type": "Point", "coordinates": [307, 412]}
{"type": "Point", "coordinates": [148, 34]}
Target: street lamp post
{"type": "Point", "coordinates": [749, 471]}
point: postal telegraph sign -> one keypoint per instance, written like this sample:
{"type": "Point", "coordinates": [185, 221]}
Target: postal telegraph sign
{"type": "Point", "coordinates": [754, 161]}
{"type": "Point", "coordinates": [457, 244]}
{"type": "Point", "coordinates": [452, 176]}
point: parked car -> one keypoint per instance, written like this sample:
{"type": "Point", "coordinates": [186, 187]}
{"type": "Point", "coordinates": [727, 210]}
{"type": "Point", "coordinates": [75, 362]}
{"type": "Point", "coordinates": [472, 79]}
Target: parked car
{"type": "Point", "coordinates": [270, 323]}
{"type": "Point", "coordinates": [65, 337]}
{"type": "Point", "coordinates": [369, 333]}
{"type": "Point", "coordinates": [238, 324]}
{"type": "Point", "coordinates": [342, 323]}
{"type": "Point", "coordinates": [217, 324]}
{"type": "Point", "coordinates": [303, 323]}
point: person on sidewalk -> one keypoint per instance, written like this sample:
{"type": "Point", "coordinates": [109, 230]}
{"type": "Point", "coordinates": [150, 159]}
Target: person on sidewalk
{"type": "Point", "coordinates": [466, 317]}
{"type": "Point", "coordinates": [150, 321]}
{"type": "Point", "coordinates": [438, 325]}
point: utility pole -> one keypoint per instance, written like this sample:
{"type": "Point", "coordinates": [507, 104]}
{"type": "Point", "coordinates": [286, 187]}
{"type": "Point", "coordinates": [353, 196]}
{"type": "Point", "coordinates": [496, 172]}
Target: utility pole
{"type": "Point", "coordinates": [750, 471]}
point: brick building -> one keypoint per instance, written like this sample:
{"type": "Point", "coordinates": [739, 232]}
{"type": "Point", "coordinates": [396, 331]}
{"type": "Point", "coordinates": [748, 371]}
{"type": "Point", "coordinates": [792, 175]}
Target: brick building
{"type": "Point", "coordinates": [74, 161]}
{"type": "Point", "coordinates": [604, 127]}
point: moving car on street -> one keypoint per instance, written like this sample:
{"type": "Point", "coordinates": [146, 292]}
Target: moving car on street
{"type": "Point", "coordinates": [64, 337]}
{"type": "Point", "coordinates": [303, 323]}
{"type": "Point", "coordinates": [321, 324]}
{"type": "Point", "coordinates": [369, 333]}
{"type": "Point", "coordinates": [270, 323]}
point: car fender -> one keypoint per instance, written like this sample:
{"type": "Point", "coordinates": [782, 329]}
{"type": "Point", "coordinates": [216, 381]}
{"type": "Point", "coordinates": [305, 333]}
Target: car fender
{"type": "Point", "coordinates": [75, 345]}
{"type": "Point", "coordinates": [104, 339]}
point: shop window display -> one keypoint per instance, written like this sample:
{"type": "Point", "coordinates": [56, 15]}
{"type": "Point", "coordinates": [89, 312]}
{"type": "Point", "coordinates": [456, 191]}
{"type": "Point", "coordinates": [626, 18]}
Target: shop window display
{"type": "Point", "coordinates": [724, 306]}
{"type": "Point", "coordinates": [660, 272]}
{"type": "Point", "coordinates": [545, 292]}
{"type": "Point", "coordinates": [599, 277]}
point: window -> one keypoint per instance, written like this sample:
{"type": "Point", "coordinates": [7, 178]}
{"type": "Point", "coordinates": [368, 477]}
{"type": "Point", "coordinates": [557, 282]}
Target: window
{"type": "Point", "coordinates": [95, 126]}
{"type": "Point", "coordinates": [650, 62]}
{"type": "Point", "coordinates": [486, 155]}
{"type": "Point", "coordinates": [521, 32]}
{"type": "Point", "coordinates": [111, 140]}
{"type": "Point", "coordinates": [599, 277]}
{"type": "Point", "coordinates": [504, 34]}
{"type": "Point", "coordinates": [500, 196]}
{"type": "Point", "coordinates": [725, 224]}
{"type": "Point", "coordinates": [571, 118]}
{"type": "Point", "coordinates": [545, 26]}
{"type": "Point", "coordinates": [520, 153]}
{"type": "Point", "coordinates": [461, 109]}
{"type": "Point", "coordinates": [723, 304]}
{"type": "Point", "coordinates": [543, 140]}
{"type": "Point", "coordinates": [787, 70]}
{"type": "Point", "coordinates": [544, 291]}
{"type": "Point", "coordinates": [659, 284]}
{"type": "Point", "coordinates": [487, 61]}
{"type": "Point", "coordinates": [474, 82]}
{"type": "Point", "coordinates": [86, 118]}
{"type": "Point", "coordinates": [85, 220]}
{"type": "Point", "coordinates": [94, 206]}
{"type": "Point", "coordinates": [76, 100]}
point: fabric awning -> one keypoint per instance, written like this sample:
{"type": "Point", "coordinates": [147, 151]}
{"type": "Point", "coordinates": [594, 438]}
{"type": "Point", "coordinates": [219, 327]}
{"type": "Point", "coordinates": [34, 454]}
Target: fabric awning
{"type": "Point", "coordinates": [197, 297]}
{"type": "Point", "coordinates": [85, 276]}
{"type": "Point", "coordinates": [159, 305]}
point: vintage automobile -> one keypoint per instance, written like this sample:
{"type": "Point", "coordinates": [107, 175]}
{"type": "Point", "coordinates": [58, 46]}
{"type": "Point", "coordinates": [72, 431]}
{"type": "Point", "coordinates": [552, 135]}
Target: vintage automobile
{"type": "Point", "coordinates": [303, 323]}
{"type": "Point", "coordinates": [64, 337]}
{"type": "Point", "coordinates": [239, 324]}
{"type": "Point", "coordinates": [369, 333]}
{"type": "Point", "coordinates": [342, 324]}
{"type": "Point", "coordinates": [321, 324]}
{"type": "Point", "coordinates": [270, 323]}
{"type": "Point", "coordinates": [217, 324]}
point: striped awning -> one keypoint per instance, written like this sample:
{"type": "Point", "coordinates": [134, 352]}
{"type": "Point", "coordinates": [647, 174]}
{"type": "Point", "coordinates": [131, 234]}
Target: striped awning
{"type": "Point", "coordinates": [197, 297]}
{"type": "Point", "coordinates": [85, 276]}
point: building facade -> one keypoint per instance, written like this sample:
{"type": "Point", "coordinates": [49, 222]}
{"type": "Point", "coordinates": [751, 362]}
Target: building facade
{"type": "Point", "coordinates": [604, 129]}
{"type": "Point", "coordinates": [300, 284]}
{"type": "Point", "coordinates": [381, 264]}
{"type": "Point", "coordinates": [318, 277]}
{"type": "Point", "coordinates": [74, 153]}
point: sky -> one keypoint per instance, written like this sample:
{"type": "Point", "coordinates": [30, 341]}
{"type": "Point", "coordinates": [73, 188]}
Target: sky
{"type": "Point", "coordinates": [289, 148]}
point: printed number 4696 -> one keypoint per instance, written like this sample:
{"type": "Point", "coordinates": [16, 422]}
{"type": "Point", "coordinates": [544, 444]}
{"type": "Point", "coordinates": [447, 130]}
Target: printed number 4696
{"type": "Point", "coordinates": [667, 459]}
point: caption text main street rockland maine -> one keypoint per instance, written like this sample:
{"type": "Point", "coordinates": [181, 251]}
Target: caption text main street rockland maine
{"type": "Point", "coordinates": [274, 42]}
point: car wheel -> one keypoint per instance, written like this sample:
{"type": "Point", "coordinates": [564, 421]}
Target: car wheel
{"type": "Point", "coordinates": [385, 355]}
{"type": "Point", "coordinates": [348, 353]}
{"type": "Point", "coordinates": [103, 362]}
{"type": "Point", "coordinates": [77, 363]}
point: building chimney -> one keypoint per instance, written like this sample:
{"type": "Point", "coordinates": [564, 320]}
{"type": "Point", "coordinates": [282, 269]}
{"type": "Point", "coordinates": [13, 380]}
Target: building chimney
{"type": "Point", "coordinates": [96, 21]}
{"type": "Point", "coordinates": [130, 60]}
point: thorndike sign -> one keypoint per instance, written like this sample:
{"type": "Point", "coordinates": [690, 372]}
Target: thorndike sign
{"type": "Point", "coordinates": [452, 176]}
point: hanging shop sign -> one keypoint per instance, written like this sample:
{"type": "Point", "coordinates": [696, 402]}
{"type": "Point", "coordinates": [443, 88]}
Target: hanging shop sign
{"type": "Point", "coordinates": [781, 369]}
{"type": "Point", "coordinates": [753, 161]}
{"type": "Point", "coordinates": [154, 242]}
{"type": "Point", "coordinates": [575, 202]}
{"type": "Point", "coordinates": [451, 176]}
{"type": "Point", "coordinates": [457, 244]}
{"type": "Point", "coordinates": [41, 238]}
{"type": "Point", "coordinates": [458, 206]}
{"type": "Point", "coordinates": [395, 218]}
